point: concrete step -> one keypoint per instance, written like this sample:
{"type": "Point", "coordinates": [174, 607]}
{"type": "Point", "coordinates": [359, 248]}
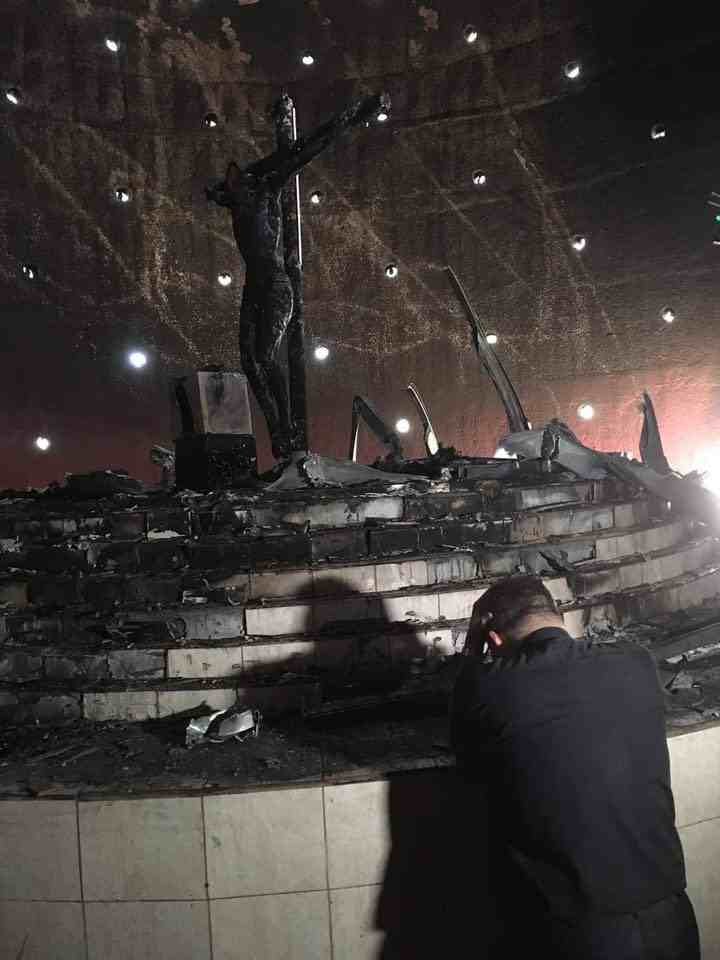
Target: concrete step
{"type": "Point", "coordinates": [453, 601]}
{"type": "Point", "coordinates": [459, 565]}
{"type": "Point", "coordinates": [280, 675]}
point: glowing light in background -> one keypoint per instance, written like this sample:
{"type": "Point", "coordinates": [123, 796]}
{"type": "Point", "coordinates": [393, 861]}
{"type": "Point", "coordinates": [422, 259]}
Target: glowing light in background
{"type": "Point", "coordinates": [658, 131]}
{"type": "Point", "coordinates": [13, 96]}
{"type": "Point", "coordinates": [112, 45]}
{"type": "Point", "coordinates": [492, 339]}
{"type": "Point", "coordinates": [122, 195]}
{"type": "Point", "coordinates": [402, 425]}
{"type": "Point", "coordinates": [470, 33]}
{"type": "Point", "coordinates": [668, 314]}
{"type": "Point", "coordinates": [316, 197]}
{"type": "Point", "coordinates": [224, 279]}
{"type": "Point", "coordinates": [28, 271]}
{"type": "Point", "coordinates": [586, 411]}
{"type": "Point", "coordinates": [42, 443]}
{"type": "Point", "coordinates": [479, 178]}
{"type": "Point", "coordinates": [707, 463]}
{"type": "Point", "coordinates": [579, 242]}
{"type": "Point", "coordinates": [137, 359]}
{"type": "Point", "coordinates": [572, 70]}
{"type": "Point", "coordinates": [307, 59]}
{"type": "Point", "coordinates": [383, 116]}
{"type": "Point", "coordinates": [321, 353]}
{"type": "Point", "coordinates": [391, 271]}
{"type": "Point", "coordinates": [211, 120]}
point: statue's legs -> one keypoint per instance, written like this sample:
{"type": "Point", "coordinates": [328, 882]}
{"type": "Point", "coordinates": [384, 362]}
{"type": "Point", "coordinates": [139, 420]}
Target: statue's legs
{"type": "Point", "coordinates": [251, 320]}
{"type": "Point", "coordinates": [278, 307]}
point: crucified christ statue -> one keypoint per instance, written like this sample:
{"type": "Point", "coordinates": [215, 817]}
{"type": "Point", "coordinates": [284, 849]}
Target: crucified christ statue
{"type": "Point", "coordinates": [253, 196]}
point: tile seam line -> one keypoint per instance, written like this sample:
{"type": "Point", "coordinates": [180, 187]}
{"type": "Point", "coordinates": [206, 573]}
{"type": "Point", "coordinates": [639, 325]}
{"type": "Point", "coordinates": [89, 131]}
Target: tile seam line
{"type": "Point", "coordinates": [86, 944]}
{"type": "Point", "coordinates": [207, 876]}
{"type": "Point", "coordinates": [327, 873]}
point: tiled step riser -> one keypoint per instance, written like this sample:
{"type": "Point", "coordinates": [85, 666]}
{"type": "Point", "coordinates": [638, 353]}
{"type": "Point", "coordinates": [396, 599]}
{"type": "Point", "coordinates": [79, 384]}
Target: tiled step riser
{"type": "Point", "coordinates": [321, 614]}
{"type": "Point", "coordinates": [38, 664]}
{"type": "Point", "coordinates": [351, 594]}
{"type": "Point", "coordinates": [428, 571]}
{"type": "Point", "coordinates": [139, 705]}
{"type": "Point", "coordinates": [148, 704]}
{"type": "Point", "coordinates": [340, 510]}
{"type": "Point", "coordinates": [83, 570]}
{"type": "Point", "coordinates": [628, 575]}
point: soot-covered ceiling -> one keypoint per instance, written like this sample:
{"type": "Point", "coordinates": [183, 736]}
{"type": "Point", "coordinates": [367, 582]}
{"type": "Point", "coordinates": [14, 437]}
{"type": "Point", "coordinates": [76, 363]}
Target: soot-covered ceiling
{"type": "Point", "coordinates": [495, 157]}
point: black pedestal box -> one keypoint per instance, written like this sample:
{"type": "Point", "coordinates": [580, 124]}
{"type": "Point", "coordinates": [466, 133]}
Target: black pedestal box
{"type": "Point", "coordinates": [215, 461]}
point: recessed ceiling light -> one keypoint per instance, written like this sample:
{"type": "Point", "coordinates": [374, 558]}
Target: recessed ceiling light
{"type": "Point", "coordinates": [42, 443]}
{"type": "Point", "coordinates": [383, 116]}
{"type": "Point", "coordinates": [211, 120]}
{"type": "Point", "coordinates": [13, 95]}
{"type": "Point", "coordinates": [224, 279]}
{"type": "Point", "coordinates": [391, 271]}
{"type": "Point", "coordinates": [658, 131]}
{"type": "Point", "coordinates": [316, 197]}
{"type": "Point", "coordinates": [307, 59]}
{"type": "Point", "coordinates": [112, 45]}
{"type": "Point", "coordinates": [402, 425]}
{"type": "Point", "coordinates": [572, 69]}
{"type": "Point", "coordinates": [137, 359]}
{"type": "Point", "coordinates": [579, 242]}
{"type": "Point", "coordinates": [470, 33]}
{"type": "Point", "coordinates": [492, 338]}
{"type": "Point", "coordinates": [122, 195]}
{"type": "Point", "coordinates": [668, 314]}
{"type": "Point", "coordinates": [321, 353]}
{"type": "Point", "coordinates": [479, 178]}
{"type": "Point", "coordinates": [29, 271]}
{"type": "Point", "coordinates": [586, 411]}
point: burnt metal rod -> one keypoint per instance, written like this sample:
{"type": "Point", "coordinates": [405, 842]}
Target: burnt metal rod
{"type": "Point", "coordinates": [510, 400]}
{"type": "Point", "coordinates": [286, 134]}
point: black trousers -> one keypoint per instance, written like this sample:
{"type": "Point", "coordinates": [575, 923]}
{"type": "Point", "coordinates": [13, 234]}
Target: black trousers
{"type": "Point", "coordinates": [664, 931]}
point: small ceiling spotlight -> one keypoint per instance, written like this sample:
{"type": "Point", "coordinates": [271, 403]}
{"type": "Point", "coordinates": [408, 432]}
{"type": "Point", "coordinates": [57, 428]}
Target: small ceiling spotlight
{"type": "Point", "coordinates": [122, 195]}
{"type": "Point", "coordinates": [321, 353]}
{"type": "Point", "coordinates": [586, 411]}
{"type": "Point", "coordinates": [383, 116]}
{"type": "Point", "coordinates": [579, 242]}
{"type": "Point", "coordinates": [137, 359]}
{"type": "Point", "coordinates": [470, 33]}
{"type": "Point", "coordinates": [492, 339]}
{"type": "Point", "coordinates": [224, 279]}
{"type": "Point", "coordinates": [307, 59]}
{"type": "Point", "coordinates": [658, 131]}
{"type": "Point", "coordinates": [211, 120]}
{"type": "Point", "coordinates": [716, 238]}
{"type": "Point", "coordinates": [391, 271]}
{"type": "Point", "coordinates": [479, 178]}
{"type": "Point", "coordinates": [316, 197]}
{"type": "Point", "coordinates": [668, 314]}
{"type": "Point", "coordinates": [402, 425]}
{"type": "Point", "coordinates": [42, 443]}
{"type": "Point", "coordinates": [13, 95]}
{"type": "Point", "coordinates": [29, 271]}
{"type": "Point", "coordinates": [112, 45]}
{"type": "Point", "coordinates": [572, 70]}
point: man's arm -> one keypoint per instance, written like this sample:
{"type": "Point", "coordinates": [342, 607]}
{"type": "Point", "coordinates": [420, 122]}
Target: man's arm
{"type": "Point", "coordinates": [473, 735]}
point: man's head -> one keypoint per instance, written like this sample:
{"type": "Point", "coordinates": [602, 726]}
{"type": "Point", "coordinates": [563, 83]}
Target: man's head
{"type": "Point", "coordinates": [508, 613]}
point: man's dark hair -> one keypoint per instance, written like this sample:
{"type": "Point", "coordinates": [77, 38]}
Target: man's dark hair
{"type": "Point", "coordinates": [512, 600]}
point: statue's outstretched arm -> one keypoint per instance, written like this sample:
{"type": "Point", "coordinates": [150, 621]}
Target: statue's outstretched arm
{"type": "Point", "coordinates": [307, 148]}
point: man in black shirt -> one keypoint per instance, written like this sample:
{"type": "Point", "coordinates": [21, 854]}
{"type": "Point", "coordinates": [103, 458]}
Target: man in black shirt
{"type": "Point", "coordinates": [568, 739]}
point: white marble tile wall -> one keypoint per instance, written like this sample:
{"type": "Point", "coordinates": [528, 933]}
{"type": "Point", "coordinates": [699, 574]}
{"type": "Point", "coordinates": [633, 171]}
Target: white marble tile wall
{"type": "Point", "coordinates": [290, 873]}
